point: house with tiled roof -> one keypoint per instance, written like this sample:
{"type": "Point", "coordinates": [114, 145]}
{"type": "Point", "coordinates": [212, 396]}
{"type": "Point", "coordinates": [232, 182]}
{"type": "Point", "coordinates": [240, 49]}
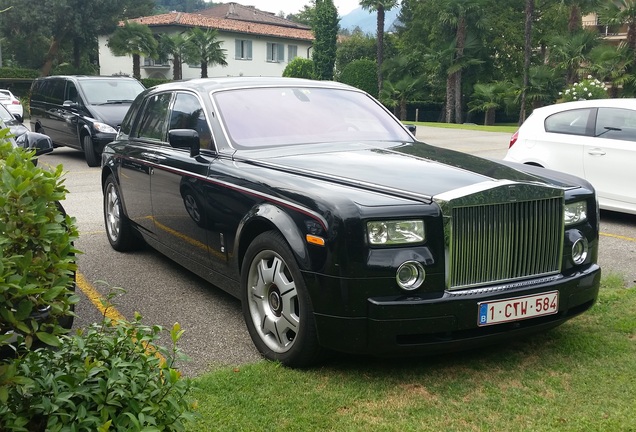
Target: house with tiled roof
{"type": "Point", "coordinates": [257, 43]}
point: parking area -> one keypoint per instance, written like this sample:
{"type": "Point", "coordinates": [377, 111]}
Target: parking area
{"type": "Point", "coordinates": [165, 293]}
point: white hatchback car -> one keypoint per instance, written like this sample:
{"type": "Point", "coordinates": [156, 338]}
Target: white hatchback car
{"type": "Point", "coordinates": [11, 103]}
{"type": "Point", "coordinates": [594, 139]}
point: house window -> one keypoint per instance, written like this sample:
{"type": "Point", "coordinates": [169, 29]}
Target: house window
{"type": "Point", "coordinates": [292, 52]}
{"type": "Point", "coordinates": [275, 52]}
{"type": "Point", "coordinates": [243, 49]}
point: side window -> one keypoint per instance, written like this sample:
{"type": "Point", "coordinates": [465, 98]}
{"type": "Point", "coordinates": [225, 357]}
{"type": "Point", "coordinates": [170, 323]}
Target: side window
{"type": "Point", "coordinates": [572, 122]}
{"type": "Point", "coordinates": [154, 118]}
{"type": "Point", "coordinates": [187, 113]}
{"type": "Point", "coordinates": [55, 92]}
{"type": "Point", "coordinates": [616, 123]}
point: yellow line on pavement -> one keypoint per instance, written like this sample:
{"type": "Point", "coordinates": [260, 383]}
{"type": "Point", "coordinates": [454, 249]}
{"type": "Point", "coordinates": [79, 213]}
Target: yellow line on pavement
{"type": "Point", "coordinates": [109, 311]}
{"type": "Point", "coordinates": [98, 300]}
{"type": "Point", "coordinates": [618, 236]}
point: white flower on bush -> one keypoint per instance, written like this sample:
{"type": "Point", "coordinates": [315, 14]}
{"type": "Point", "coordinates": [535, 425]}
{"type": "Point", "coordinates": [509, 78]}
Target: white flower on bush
{"type": "Point", "coordinates": [588, 88]}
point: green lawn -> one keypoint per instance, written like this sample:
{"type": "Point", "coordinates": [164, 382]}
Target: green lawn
{"type": "Point", "coordinates": [578, 377]}
{"type": "Point", "coordinates": [507, 128]}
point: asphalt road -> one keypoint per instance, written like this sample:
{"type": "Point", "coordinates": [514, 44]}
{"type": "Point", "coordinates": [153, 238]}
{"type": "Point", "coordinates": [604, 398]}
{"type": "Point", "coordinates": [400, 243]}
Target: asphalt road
{"type": "Point", "coordinates": [215, 334]}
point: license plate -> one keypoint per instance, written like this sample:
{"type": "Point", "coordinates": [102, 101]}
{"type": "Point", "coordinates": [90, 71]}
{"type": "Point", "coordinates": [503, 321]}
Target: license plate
{"type": "Point", "coordinates": [518, 308]}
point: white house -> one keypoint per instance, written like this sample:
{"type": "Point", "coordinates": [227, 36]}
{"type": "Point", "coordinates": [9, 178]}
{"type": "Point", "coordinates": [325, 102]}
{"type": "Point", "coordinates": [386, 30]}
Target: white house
{"type": "Point", "coordinates": [257, 43]}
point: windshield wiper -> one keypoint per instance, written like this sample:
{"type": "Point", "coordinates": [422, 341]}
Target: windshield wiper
{"type": "Point", "coordinates": [116, 101]}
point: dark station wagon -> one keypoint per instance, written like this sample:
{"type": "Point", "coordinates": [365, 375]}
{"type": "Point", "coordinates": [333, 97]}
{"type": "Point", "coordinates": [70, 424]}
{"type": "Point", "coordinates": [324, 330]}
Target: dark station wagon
{"type": "Point", "coordinates": [340, 231]}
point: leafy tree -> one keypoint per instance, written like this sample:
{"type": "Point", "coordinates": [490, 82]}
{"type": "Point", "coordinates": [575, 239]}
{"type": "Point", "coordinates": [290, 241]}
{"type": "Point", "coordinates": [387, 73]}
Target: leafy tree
{"type": "Point", "coordinates": [325, 27]}
{"type": "Point", "coordinates": [306, 15]}
{"type": "Point", "coordinates": [354, 47]}
{"type": "Point", "coordinates": [133, 39]}
{"type": "Point", "coordinates": [204, 47]}
{"type": "Point", "coordinates": [300, 68]}
{"type": "Point", "coordinates": [58, 26]}
{"type": "Point", "coordinates": [380, 7]}
{"type": "Point", "coordinates": [182, 5]}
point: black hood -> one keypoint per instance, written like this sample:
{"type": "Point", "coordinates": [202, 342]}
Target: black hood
{"type": "Point", "coordinates": [111, 114]}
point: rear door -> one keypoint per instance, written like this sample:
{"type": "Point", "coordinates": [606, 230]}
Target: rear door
{"type": "Point", "coordinates": [177, 184]}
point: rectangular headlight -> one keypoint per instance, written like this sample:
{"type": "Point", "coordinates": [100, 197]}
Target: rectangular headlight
{"type": "Point", "coordinates": [575, 213]}
{"type": "Point", "coordinates": [395, 232]}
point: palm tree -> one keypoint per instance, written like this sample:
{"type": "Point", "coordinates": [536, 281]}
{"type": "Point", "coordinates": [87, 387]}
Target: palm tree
{"type": "Point", "coordinates": [204, 47]}
{"type": "Point", "coordinates": [571, 51]}
{"type": "Point", "coordinates": [622, 12]}
{"type": "Point", "coordinates": [455, 14]}
{"type": "Point", "coordinates": [173, 45]}
{"type": "Point", "coordinates": [612, 65]}
{"type": "Point", "coordinates": [488, 98]}
{"type": "Point", "coordinates": [527, 56]}
{"type": "Point", "coordinates": [401, 92]}
{"type": "Point", "coordinates": [380, 6]}
{"type": "Point", "coordinates": [133, 39]}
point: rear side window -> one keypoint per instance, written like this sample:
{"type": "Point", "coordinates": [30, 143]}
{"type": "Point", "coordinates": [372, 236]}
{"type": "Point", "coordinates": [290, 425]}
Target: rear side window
{"type": "Point", "coordinates": [572, 122]}
{"type": "Point", "coordinates": [153, 123]}
{"type": "Point", "coordinates": [616, 123]}
{"type": "Point", "coordinates": [187, 113]}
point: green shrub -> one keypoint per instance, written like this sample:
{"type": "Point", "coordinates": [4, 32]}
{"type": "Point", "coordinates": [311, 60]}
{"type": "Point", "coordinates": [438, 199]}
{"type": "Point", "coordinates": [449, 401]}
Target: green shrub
{"type": "Point", "coordinates": [151, 82]}
{"type": "Point", "coordinates": [37, 257]}
{"type": "Point", "coordinates": [362, 74]}
{"type": "Point", "coordinates": [12, 72]}
{"type": "Point", "coordinates": [109, 377]}
{"type": "Point", "coordinates": [300, 68]}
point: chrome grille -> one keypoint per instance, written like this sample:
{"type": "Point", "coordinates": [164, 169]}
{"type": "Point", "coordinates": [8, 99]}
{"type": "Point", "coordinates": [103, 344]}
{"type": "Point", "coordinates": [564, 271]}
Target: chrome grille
{"type": "Point", "coordinates": [497, 243]}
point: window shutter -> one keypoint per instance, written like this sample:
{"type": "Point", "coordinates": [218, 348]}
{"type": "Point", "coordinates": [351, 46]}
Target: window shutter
{"type": "Point", "coordinates": [281, 52]}
{"type": "Point", "coordinates": [249, 49]}
{"type": "Point", "coordinates": [270, 52]}
{"type": "Point", "coordinates": [237, 49]}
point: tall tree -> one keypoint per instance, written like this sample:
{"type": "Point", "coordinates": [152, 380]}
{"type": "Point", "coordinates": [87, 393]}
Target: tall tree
{"type": "Point", "coordinates": [133, 39]}
{"type": "Point", "coordinates": [203, 47]}
{"type": "Point", "coordinates": [455, 14]}
{"type": "Point", "coordinates": [527, 56]}
{"type": "Point", "coordinates": [380, 7]}
{"type": "Point", "coordinates": [325, 27]}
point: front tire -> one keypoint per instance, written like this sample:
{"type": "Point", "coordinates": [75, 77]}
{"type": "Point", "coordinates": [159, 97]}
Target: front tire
{"type": "Point", "coordinates": [92, 158]}
{"type": "Point", "coordinates": [276, 306]}
{"type": "Point", "coordinates": [118, 228]}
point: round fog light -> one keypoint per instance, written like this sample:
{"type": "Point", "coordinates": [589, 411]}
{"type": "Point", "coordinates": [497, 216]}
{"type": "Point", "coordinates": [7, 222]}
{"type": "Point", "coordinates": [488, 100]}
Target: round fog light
{"type": "Point", "coordinates": [410, 275]}
{"type": "Point", "coordinates": [579, 250]}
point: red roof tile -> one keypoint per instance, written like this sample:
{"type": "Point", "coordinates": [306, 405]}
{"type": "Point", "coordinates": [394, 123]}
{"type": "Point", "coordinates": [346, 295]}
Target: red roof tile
{"type": "Point", "coordinates": [198, 20]}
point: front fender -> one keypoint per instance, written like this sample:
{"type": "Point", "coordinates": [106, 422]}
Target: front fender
{"type": "Point", "coordinates": [265, 217]}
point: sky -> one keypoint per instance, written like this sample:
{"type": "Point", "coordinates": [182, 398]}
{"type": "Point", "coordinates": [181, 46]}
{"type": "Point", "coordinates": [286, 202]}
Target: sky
{"type": "Point", "coordinates": [293, 6]}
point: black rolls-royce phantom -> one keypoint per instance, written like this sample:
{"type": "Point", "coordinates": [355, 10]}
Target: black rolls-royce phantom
{"type": "Point", "coordinates": [337, 229]}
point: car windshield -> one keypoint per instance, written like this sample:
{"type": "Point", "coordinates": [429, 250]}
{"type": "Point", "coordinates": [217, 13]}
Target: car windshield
{"type": "Point", "coordinates": [110, 91]}
{"type": "Point", "coordinates": [263, 117]}
{"type": "Point", "coordinates": [5, 115]}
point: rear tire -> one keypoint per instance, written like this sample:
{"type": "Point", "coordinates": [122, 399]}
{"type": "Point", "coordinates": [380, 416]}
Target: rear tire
{"type": "Point", "coordinates": [119, 230]}
{"type": "Point", "coordinates": [92, 158]}
{"type": "Point", "coordinates": [276, 305]}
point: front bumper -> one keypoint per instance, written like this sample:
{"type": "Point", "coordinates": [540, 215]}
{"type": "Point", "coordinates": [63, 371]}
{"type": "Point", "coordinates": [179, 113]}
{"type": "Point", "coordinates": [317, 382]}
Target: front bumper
{"type": "Point", "coordinates": [416, 325]}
